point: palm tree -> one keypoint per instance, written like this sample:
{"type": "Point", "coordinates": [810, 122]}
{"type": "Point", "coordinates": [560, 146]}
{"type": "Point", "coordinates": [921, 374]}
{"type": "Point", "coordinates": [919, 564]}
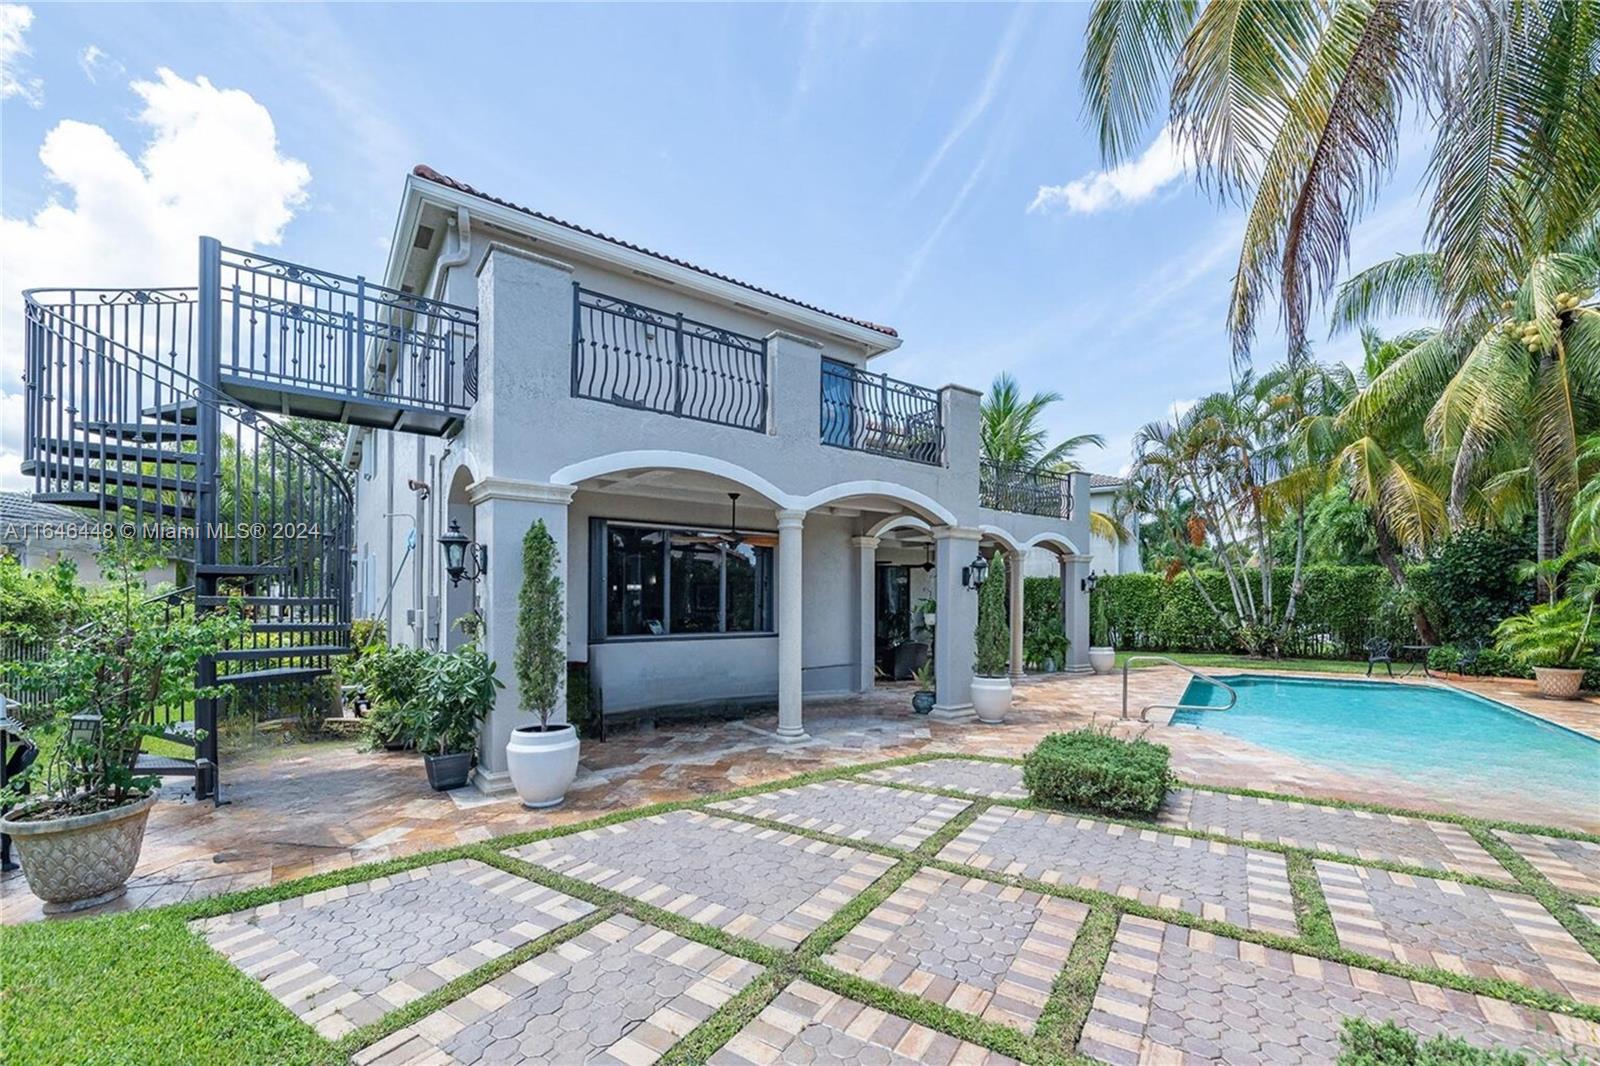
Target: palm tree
{"type": "Point", "coordinates": [1010, 435]}
{"type": "Point", "coordinates": [1294, 107]}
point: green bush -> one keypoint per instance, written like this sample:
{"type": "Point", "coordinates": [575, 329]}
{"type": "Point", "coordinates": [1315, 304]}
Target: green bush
{"type": "Point", "coordinates": [1091, 769]}
{"type": "Point", "coordinates": [392, 677]}
{"type": "Point", "coordinates": [1472, 585]}
{"type": "Point", "coordinates": [1043, 636]}
{"type": "Point", "coordinates": [993, 639]}
{"type": "Point", "coordinates": [1492, 662]}
{"type": "Point", "coordinates": [1363, 1044]}
{"type": "Point", "coordinates": [38, 605]}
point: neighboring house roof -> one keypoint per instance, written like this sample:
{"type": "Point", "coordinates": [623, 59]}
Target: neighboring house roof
{"type": "Point", "coordinates": [1106, 481]}
{"type": "Point", "coordinates": [427, 173]}
{"type": "Point", "coordinates": [20, 508]}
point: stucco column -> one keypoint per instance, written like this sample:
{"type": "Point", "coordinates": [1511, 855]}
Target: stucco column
{"type": "Point", "coordinates": [790, 621]}
{"type": "Point", "coordinates": [1014, 576]}
{"type": "Point", "coordinates": [866, 603]}
{"type": "Point", "coordinates": [1075, 610]}
{"type": "Point", "coordinates": [953, 637]}
{"type": "Point", "coordinates": [504, 509]}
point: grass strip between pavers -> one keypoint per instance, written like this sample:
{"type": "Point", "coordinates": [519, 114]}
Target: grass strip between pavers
{"type": "Point", "coordinates": [1052, 1043]}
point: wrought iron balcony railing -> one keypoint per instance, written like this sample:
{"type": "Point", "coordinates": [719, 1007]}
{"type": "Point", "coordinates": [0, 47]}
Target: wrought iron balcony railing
{"type": "Point", "coordinates": [636, 356]}
{"type": "Point", "coordinates": [1023, 490]}
{"type": "Point", "coordinates": [876, 413]}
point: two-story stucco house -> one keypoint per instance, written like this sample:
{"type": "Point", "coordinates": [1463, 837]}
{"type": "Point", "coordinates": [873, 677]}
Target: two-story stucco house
{"type": "Point", "coordinates": [748, 512]}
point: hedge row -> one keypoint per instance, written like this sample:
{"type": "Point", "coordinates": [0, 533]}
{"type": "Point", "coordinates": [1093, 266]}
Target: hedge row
{"type": "Point", "coordinates": [1340, 609]}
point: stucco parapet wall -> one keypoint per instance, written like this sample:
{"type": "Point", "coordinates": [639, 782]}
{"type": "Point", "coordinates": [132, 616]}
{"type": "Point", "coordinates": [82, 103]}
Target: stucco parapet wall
{"type": "Point", "coordinates": [505, 488]}
{"type": "Point", "coordinates": [521, 253]}
{"type": "Point", "coordinates": [793, 338]}
{"type": "Point", "coordinates": [968, 389]}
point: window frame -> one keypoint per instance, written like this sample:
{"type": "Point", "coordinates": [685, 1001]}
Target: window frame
{"type": "Point", "coordinates": [599, 579]}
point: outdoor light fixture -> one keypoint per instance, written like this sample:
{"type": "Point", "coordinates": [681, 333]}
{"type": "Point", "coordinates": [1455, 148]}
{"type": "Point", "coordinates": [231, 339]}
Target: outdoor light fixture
{"type": "Point", "coordinates": [1088, 583]}
{"type": "Point", "coordinates": [975, 573]}
{"type": "Point", "coordinates": [463, 558]}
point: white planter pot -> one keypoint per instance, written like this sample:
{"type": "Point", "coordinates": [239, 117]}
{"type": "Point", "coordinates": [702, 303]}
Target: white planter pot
{"type": "Point", "coordinates": [991, 698]}
{"type": "Point", "coordinates": [81, 861]}
{"type": "Point", "coordinates": [1556, 683]}
{"type": "Point", "coordinates": [930, 618]}
{"type": "Point", "coordinates": [1103, 660]}
{"type": "Point", "coordinates": [542, 764]}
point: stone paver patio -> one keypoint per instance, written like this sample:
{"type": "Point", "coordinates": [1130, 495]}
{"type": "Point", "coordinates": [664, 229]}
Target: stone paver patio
{"type": "Point", "coordinates": [622, 993]}
{"type": "Point", "coordinates": [1170, 994]}
{"type": "Point", "coordinates": [1462, 928]}
{"type": "Point", "coordinates": [754, 882]}
{"type": "Point", "coordinates": [972, 777]}
{"type": "Point", "coordinates": [888, 816]}
{"type": "Point", "coordinates": [808, 1024]}
{"type": "Point", "coordinates": [1363, 834]}
{"type": "Point", "coordinates": [1572, 865]}
{"type": "Point", "coordinates": [1224, 882]}
{"type": "Point", "coordinates": [971, 945]}
{"type": "Point", "coordinates": [344, 957]}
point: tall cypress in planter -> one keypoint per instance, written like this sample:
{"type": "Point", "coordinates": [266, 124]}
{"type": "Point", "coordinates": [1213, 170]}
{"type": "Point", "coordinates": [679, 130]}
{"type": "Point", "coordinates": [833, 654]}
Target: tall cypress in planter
{"type": "Point", "coordinates": [542, 759]}
{"type": "Point", "coordinates": [991, 688]}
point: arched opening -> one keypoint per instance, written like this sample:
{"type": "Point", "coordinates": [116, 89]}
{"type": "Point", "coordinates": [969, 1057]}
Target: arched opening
{"type": "Point", "coordinates": [459, 599]}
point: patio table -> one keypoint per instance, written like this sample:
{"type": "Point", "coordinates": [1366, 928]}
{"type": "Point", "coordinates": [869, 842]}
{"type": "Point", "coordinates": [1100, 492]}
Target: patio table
{"type": "Point", "coordinates": [1416, 655]}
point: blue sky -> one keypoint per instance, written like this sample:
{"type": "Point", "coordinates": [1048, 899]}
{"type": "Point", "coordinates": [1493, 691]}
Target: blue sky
{"type": "Point", "coordinates": [886, 162]}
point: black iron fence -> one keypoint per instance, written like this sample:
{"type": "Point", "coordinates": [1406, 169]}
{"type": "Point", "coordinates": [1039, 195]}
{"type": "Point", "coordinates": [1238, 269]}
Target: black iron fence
{"type": "Point", "coordinates": [1024, 490]}
{"type": "Point", "coordinates": [636, 356]}
{"type": "Point", "coordinates": [875, 413]}
{"type": "Point", "coordinates": [293, 327]}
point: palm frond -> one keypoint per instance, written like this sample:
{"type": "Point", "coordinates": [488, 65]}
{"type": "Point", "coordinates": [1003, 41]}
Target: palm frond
{"type": "Point", "coordinates": [1406, 284]}
{"type": "Point", "coordinates": [1126, 68]}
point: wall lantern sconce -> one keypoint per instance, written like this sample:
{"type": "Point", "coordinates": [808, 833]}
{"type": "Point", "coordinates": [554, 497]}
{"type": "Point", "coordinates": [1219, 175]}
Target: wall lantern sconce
{"type": "Point", "coordinates": [463, 558]}
{"type": "Point", "coordinates": [1088, 583]}
{"type": "Point", "coordinates": [975, 573]}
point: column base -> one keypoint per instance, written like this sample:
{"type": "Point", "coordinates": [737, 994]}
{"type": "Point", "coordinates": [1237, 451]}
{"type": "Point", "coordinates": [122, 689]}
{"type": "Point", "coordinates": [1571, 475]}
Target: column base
{"type": "Point", "coordinates": [1079, 670]}
{"type": "Point", "coordinates": [492, 783]}
{"type": "Point", "coordinates": [956, 712]}
{"type": "Point", "coordinates": [791, 736]}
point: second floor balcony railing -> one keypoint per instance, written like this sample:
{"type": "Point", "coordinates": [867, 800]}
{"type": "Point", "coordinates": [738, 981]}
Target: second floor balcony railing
{"type": "Point", "coordinates": [1024, 490]}
{"type": "Point", "coordinates": [876, 413]}
{"type": "Point", "coordinates": [636, 356]}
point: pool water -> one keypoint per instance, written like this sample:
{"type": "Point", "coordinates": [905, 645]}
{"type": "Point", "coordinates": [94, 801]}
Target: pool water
{"type": "Point", "coordinates": [1439, 738]}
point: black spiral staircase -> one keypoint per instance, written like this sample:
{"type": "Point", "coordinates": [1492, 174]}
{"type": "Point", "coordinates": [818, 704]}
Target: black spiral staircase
{"type": "Point", "coordinates": [170, 414]}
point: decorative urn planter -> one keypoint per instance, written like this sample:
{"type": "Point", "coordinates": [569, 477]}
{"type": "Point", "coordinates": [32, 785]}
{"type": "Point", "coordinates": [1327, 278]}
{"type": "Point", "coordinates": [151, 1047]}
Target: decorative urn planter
{"type": "Point", "coordinates": [922, 702]}
{"type": "Point", "coordinates": [1558, 683]}
{"type": "Point", "coordinates": [991, 698]}
{"type": "Point", "coordinates": [448, 771]}
{"type": "Point", "coordinates": [542, 763]}
{"type": "Point", "coordinates": [1103, 660]}
{"type": "Point", "coordinates": [83, 860]}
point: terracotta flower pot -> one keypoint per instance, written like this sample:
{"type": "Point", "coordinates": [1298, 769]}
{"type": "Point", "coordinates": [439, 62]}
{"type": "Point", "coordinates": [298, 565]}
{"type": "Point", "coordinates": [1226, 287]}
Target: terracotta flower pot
{"type": "Point", "coordinates": [83, 860]}
{"type": "Point", "coordinates": [1558, 683]}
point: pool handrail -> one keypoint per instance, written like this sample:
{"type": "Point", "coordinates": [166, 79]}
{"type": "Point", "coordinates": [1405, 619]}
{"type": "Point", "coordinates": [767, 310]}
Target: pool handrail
{"type": "Point", "coordinates": [1233, 694]}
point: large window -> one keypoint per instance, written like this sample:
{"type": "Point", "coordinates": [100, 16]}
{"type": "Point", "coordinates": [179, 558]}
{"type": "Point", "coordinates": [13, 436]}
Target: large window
{"type": "Point", "coordinates": [649, 581]}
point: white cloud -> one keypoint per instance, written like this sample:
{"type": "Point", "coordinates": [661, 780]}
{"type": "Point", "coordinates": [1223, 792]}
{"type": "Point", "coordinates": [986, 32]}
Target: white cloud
{"type": "Point", "coordinates": [14, 22]}
{"type": "Point", "coordinates": [212, 166]}
{"type": "Point", "coordinates": [1158, 166]}
{"type": "Point", "coordinates": [96, 64]}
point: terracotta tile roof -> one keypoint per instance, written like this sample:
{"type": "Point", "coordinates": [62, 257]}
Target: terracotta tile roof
{"type": "Point", "coordinates": [422, 170]}
{"type": "Point", "coordinates": [1105, 481]}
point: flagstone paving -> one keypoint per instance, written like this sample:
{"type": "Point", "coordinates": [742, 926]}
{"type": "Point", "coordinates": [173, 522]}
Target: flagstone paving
{"type": "Point", "coordinates": [1225, 882]}
{"type": "Point", "coordinates": [1571, 865]}
{"type": "Point", "coordinates": [1456, 927]}
{"type": "Point", "coordinates": [622, 992]}
{"type": "Point", "coordinates": [972, 777]}
{"type": "Point", "coordinates": [1171, 994]}
{"type": "Point", "coordinates": [972, 945]}
{"type": "Point", "coordinates": [343, 957]}
{"type": "Point", "coordinates": [1363, 834]}
{"type": "Point", "coordinates": [889, 816]}
{"type": "Point", "coordinates": [755, 882]}
{"type": "Point", "coordinates": [806, 1024]}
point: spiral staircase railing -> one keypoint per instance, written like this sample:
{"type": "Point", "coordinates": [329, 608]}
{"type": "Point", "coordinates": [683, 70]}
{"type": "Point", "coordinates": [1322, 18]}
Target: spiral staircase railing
{"type": "Point", "coordinates": [129, 414]}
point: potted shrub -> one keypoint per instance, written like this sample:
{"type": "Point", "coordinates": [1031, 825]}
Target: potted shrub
{"type": "Point", "coordinates": [1102, 654]}
{"type": "Point", "coordinates": [1552, 638]}
{"type": "Point", "coordinates": [929, 612]}
{"type": "Point", "coordinates": [456, 691]}
{"type": "Point", "coordinates": [391, 677]}
{"type": "Point", "coordinates": [922, 702]}
{"type": "Point", "coordinates": [80, 835]}
{"type": "Point", "coordinates": [991, 688]}
{"type": "Point", "coordinates": [542, 759]}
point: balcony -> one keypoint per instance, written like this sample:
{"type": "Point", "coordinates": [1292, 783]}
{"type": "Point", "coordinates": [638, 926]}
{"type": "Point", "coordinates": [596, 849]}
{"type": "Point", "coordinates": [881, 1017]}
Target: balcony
{"type": "Point", "coordinates": [875, 413]}
{"type": "Point", "coordinates": [1023, 490]}
{"type": "Point", "coordinates": [635, 356]}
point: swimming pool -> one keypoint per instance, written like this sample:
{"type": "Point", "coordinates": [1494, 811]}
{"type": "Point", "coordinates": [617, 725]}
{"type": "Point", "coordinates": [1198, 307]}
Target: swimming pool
{"type": "Point", "coordinates": [1442, 739]}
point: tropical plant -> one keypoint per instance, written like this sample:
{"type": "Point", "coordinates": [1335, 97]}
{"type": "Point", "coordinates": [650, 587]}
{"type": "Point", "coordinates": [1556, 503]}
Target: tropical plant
{"type": "Point", "coordinates": [132, 656]}
{"type": "Point", "coordinates": [924, 676]}
{"type": "Point", "coordinates": [1550, 634]}
{"type": "Point", "coordinates": [456, 690]}
{"type": "Point", "coordinates": [38, 604]}
{"type": "Point", "coordinates": [1296, 107]}
{"type": "Point", "coordinates": [541, 659]}
{"type": "Point", "coordinates": [993, 634]}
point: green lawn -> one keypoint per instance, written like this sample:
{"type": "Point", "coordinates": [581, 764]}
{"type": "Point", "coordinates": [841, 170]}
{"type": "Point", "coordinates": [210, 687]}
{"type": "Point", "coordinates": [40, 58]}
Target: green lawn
{"type": "Point", "coordinates": [1248, 664]}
